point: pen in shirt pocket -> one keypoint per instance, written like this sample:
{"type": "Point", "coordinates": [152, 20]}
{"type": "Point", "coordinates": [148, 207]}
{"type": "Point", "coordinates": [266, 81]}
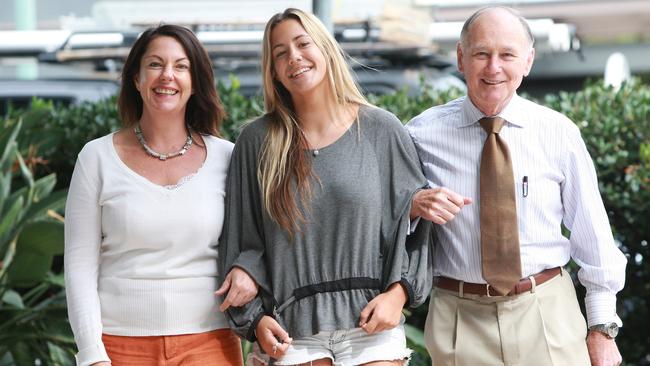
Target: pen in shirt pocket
{"type": "Point", "coordinates": [524, 186]}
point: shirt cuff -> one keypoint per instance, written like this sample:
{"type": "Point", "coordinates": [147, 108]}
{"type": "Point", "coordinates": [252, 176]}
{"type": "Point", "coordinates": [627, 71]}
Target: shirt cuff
{"type": "Point", "coordinates": [413, 224]}
{"type": "Point", "coordinates": [601, 309]}
{"type": "Point", "coordinates": [92, 354]}
{"type": "Point", "coordinates": [252, 331]}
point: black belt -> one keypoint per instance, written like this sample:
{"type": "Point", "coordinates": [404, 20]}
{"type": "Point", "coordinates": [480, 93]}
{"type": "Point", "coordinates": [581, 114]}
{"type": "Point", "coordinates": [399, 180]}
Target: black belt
{"type": "Point", "coordinates": [345, 284]}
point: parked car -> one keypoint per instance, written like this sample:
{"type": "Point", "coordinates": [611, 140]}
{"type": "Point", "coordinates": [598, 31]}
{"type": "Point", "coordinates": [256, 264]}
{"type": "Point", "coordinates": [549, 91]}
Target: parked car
{"type": "Point", "coordinates": [86, 66]}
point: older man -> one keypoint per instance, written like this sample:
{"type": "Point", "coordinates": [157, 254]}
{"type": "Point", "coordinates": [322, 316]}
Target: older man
{"type": "Point", "coordinates": [501, 296]}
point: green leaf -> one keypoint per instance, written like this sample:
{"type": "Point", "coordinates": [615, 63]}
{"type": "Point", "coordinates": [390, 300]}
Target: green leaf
{"type": "Point", "coordinates": [46, 237]}
{"type": "Point", "coordinates": [247, 347]}
{"type": "Point", "coordinates": [9, 219]}
{"type": "Point", "coordinates": [415, 338]}
{"type": "Point", "coordinates": [59, 327]}
{"type": "Point", "coordinates": [58, 356]}
{"type": "Point", "coordinates": [5, 185]}
{"type": "Point", "coordinates": [36, 245]}
{"type": "Point", "coordinates": [9, 233]}
{"type": "Point", "coordinates": [24, 170]}
{"type": "Point", "coordinates": [8, 139]}
{"type": "Point", "coordinates": [56, 279]}
{"type": "Point", "coordinates": [21, 354]}
{"type": "Point", "coordinates": [644, 153]}
{"type": "Point", "coordinates": [12, 298]}
{"type": "Point", "coordinates": [29, 269]}
{"type": "Point", "coordinates": [5, 357]}
{"type": "Point", "coordinates": [6, 175]}
{"type": "Point", "coordinates": [20, 192]}
{"type": "Point", "coordinates": [43, 187]}
{"type": "Point", "coordinates": [9, 253]}
{"type": "Point", "coordinates": [234, 83]}
{"type": "Point", "coordinates": [54, 201]}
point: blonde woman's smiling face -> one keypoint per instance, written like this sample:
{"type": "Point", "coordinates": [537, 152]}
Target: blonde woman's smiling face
{"type": "Point", "coordinates": [297, 62]}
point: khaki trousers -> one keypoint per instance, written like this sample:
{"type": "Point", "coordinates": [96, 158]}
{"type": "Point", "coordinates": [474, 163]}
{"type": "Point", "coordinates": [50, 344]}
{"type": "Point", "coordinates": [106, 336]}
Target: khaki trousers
{"type": "Point", "coordinates": [541, 327]}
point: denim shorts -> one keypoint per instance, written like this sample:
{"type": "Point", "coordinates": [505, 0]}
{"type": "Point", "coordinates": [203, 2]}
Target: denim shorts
{"type": "Point", "coordinates": [343, 347]}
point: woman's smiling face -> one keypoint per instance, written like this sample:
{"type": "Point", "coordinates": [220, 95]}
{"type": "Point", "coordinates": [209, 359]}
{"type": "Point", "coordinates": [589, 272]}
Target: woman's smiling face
{"type": "Point", "coordinates": [165, 78]}
{"type": "Point", "coordinates": [298, 63]}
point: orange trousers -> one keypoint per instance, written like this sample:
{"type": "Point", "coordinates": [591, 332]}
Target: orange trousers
{"type": "Point", "coordinates": [220, 347]}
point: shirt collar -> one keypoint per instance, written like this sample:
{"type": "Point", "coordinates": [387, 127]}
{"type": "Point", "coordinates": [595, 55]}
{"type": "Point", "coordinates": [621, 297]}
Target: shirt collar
{"type": "Point", "coordinates": [513, 112]}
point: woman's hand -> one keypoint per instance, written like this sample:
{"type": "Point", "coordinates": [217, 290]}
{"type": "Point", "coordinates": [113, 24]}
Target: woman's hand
{"type": "Point", "coordinates": [272, 338]}
{"type": "Point", "coordinates": [101, 363]}
{"type": "Point", "coordinates": [384, 311]}
{"type": "Point", "coordinates": [241, 289]}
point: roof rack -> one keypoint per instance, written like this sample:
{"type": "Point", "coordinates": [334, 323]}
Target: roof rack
{"type": "Point", "coordinates": [221, 41]}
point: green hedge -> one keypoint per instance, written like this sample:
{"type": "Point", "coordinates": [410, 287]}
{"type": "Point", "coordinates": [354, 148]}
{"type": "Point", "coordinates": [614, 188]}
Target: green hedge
{"type": "Point", "coordinates": [616, 129]}
{"type": "Point", "coordinates": [614, 124]}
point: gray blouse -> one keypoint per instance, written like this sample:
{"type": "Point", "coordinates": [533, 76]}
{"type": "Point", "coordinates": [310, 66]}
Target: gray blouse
{"type": "Point", "coordinates": [355, 243]}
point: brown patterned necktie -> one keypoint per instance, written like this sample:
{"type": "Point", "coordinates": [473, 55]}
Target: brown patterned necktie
{"type": "Point", "coordinates": [499, 234]}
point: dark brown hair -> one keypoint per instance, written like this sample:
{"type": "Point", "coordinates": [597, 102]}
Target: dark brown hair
{"type": "Point", "coordinates": [204, 111]}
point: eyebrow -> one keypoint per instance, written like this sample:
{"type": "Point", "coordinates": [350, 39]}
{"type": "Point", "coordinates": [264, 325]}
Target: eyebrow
{"type": "Point", "coordinates": [482, 47]}
{"type": "Point", "coordinates": [160, 58]}
{"type": "Point", "coordinates": [293, 39]}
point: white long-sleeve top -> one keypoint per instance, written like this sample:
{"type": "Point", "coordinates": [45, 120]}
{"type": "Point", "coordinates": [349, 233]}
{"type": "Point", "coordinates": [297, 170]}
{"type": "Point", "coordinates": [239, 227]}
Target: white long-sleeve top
{"type": "Point", "coordinates": [548, 152]}
{"type": "Point", "coordinates": [141, 259]}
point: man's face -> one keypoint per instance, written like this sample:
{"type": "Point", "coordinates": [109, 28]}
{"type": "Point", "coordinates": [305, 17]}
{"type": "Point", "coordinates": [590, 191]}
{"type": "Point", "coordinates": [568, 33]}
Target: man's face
{"type": "Point", "coordinates": [496, 57]}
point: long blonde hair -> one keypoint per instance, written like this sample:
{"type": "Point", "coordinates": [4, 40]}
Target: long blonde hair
{"type": "Point", "coordinates": [284, 167]}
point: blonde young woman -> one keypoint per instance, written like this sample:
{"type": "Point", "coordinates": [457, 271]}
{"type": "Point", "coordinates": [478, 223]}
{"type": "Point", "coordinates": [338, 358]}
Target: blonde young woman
{"type": "Point", "coordinates": [144, 215]}
{"type": "Point", "coordinates": [317, 211]}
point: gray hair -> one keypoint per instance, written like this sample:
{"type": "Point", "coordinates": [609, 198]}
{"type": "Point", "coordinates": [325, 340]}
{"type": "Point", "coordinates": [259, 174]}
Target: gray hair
{"type": "Point", "coordinates": [515, 13]}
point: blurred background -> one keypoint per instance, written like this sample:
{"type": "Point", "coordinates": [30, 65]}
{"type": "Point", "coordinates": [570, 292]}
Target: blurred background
{"type": "Point", "coordinates": [403, 40]}
{"type": "Point", "coordinates": [59, 72]}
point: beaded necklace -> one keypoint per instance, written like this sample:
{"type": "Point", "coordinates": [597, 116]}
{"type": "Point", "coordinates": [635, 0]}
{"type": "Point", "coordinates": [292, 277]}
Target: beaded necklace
{"type": "Point", "coordinates": [162, 156]}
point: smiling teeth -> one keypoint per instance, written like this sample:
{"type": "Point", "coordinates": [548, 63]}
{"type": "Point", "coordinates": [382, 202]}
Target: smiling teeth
{"type": "Point", "coordinates": [493, 82]}
{"type": "Point", "coordinates": [304, 69]}
{"type": "Point", "coordinates": [165, 91]}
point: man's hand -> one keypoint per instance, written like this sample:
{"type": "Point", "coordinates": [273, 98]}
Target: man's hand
{"type": "Point", "coordinates": [384, 311]}
{"type": "Point", "coordinates": [240, 287]}
{"type": "Point", "coordinates": [438, 205]}
{"type": "Point", "coordinates": [272, 338]}
{"type": "Point", "coordinates": [602, 350]}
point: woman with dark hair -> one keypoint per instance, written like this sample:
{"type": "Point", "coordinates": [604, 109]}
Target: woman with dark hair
{"type": "Point", "coordinates": [144, 215]}
{"type": "Point", "coordinates": [317, 211]}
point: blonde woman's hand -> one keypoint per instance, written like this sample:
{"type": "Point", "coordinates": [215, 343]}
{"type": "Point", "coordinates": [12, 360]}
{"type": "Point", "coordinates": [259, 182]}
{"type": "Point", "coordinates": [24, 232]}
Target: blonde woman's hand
{"type": "Point", "coordinates": [384, 311]}
{"type": "Point", "coordinates": [272, 338]}
{"type": "Point", "coordinates": [241, 289]}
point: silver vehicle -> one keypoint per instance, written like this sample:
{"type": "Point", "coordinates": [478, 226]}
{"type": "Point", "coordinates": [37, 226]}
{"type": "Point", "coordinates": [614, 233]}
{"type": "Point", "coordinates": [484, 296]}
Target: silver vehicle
{"type": "Point", "coordinates": [84, 66]}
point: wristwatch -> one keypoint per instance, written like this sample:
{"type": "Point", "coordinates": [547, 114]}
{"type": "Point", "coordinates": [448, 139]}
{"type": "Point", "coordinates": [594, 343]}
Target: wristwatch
{"type": "Point", "coordinates": [608, 329]}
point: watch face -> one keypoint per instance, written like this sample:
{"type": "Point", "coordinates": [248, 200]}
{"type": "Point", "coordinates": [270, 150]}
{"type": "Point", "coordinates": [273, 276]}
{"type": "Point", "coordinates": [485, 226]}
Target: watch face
{"type": "Point", "coordinates": [612, 330]}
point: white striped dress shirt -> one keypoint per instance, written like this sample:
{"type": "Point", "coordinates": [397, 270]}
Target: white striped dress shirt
{"type": "Point", "coordinates": [547, 151]}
